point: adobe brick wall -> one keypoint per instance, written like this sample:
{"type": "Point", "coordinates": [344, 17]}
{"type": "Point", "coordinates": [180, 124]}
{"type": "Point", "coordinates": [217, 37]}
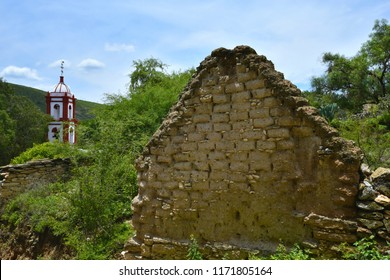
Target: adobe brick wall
{"type": "Point", "coordinates": [241, 163]}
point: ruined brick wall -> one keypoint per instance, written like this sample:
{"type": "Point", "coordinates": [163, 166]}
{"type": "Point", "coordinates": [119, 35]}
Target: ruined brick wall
{"type": "Point", "coordinates": [242, 162]}
{"type": "Point", "coordinates": [15, 179]}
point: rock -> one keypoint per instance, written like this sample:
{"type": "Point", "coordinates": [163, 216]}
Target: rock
{"type": "Point", "coordinates": [367, 184]}
{"type": "Point", "coordinates": [365, 169]}
{"type": "Point", "coordinates": [383, 189]}
{"type": "Point", "coordinates": [363, 232]}
{"type": "Point", "coordinates": [386, 222]}
{"type": "Point", "coordinates": [133, 246]}
{"type": "Point", "coordinates": [382, 200]}
{"type": "Point", "coordinates": [145, 250]}
{"type": "Point", "coordinates": [367, 191]}
{"type": "Point", "coordinates": [163, 249]}
{"type": "Point", "coordinates": [370, 224]}
{"type": "Point", "coordinates": [371, 215]}
{"type": "Point", "coordinates": [310, 244]}
{"type": "Point", "coordinates": [370, 206]}
{"type": "Point", "coordinates": [384, 234]}
{"type": "Point", "coordinates": [330, 223]}
{"type": "Point", "coordinates": [334, 237]}
{"type": "Point", "coordinates": [381, 174]}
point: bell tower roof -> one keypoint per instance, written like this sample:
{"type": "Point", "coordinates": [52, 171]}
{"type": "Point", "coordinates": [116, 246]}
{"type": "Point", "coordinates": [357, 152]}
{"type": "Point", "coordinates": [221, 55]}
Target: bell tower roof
{"type": "Point", "coordinates": [61, 87]}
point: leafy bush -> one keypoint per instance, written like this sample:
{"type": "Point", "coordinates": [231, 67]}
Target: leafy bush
{"type": "Point", "coordinates": [51, 151]}
{"type": "Point", "coordinates": [283, 253]}
{"type": "Point", "coordinates": [193, 250]}
{"type": "Point", "coordinates": [87, 223]}
{"type": "Point", "coordinates": [295, 253]}
{"type": "Point", "coordinates": [21, 123]}
{"type": "Point", "coordinates": [371, 135]}
{"type": "Point", "coordinates": [329, 111]}
{"type": "Point", "coordinates": [41, 207]}
{"type": "Point", "coordinates": [363, 249]}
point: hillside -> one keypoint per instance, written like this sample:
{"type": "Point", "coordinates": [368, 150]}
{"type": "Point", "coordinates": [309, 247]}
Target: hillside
{"type": "Point", "coordinates": [84, 109]}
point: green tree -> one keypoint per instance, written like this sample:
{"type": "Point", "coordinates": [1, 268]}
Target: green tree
{"type": "Point", "coordinates": [21, 124]}
{"type": "Point", "coordinates": [7, 136]}
{"type": "Point", "coordinates": [377, 54]}
{"type": "Point", "coordinates": [148, 71]}
{"type": "Point", "coordinates": [359, 79]}
{"type": "Point", "coordinates": [371, 134]}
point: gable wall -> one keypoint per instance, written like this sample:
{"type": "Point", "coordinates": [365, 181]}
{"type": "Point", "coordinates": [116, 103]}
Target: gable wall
{"type": "Point", "coordinates": [241, 160]}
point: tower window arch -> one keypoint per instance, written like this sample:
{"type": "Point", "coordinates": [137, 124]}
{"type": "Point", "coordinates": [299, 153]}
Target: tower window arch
{"type": "Point", "coordinates": [56, 113]}
{"type": "Point", "coordinates": [55, 133]}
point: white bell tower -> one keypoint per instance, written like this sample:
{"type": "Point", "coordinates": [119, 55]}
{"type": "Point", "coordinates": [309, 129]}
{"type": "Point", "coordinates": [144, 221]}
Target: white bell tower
{"type": "Point", "coordinates": [61, 106]}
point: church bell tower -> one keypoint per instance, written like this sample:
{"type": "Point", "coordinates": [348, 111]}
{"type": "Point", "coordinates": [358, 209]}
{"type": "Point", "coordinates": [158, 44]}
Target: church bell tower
{"type": "Point", "coordinates": [61, 106]}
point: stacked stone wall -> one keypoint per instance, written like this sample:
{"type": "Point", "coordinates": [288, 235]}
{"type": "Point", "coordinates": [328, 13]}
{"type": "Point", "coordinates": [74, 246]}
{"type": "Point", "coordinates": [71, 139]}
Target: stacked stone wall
{"type": "Point", "coordinates": [242, 161]}
{"type": "Point", "coordinates": [374, 204]}
{"type": "Point", "coordinates": [16, 179]}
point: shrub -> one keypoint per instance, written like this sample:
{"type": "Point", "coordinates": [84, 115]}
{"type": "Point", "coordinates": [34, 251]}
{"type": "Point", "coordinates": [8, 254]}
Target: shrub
{"type": "Point", "coordinates": [193, 250]}
{"type": "Point", "coordinates": [329, 111]}
{"type": "Point", "coordinates": [283, 253]}
{"type": "Point", "coordinates": [363, 249]}
{"type": "Point", "coordinates": [51, 151]}
{"type": "Point", "coordinates": [41, 207]}
{"type": "Point", "coordinates": [371, 135]}
{"type": "Point", "coordinates": [295, 253]}
{"type": "Point", "coordinates": [83, 215]}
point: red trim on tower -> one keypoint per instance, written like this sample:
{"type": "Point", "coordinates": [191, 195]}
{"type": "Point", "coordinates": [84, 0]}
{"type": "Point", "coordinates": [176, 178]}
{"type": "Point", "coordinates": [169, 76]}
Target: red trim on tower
{"type": "Point", "coordinates": [65, 98]}
{"type": "Point", "coordinates": [48, 99]}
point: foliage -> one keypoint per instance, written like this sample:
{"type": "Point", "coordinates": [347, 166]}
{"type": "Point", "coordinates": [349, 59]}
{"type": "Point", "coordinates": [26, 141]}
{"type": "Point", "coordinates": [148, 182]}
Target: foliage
{"type": "Point", "coordinates": [371, 134]}
{"type": "Point", "coordinates": [41, 207]}
{"type": "Point", "coordinates": [193, 250]}
{"type": "Point", "coordinates": [350, 85]}
{"type": "Point", "coordinates": [329, 111]}
{"type": "Point", "coordinates": [148, 71]}
{"type": "Point", "coordinates": [295, 253]}
{"type": "Point", "coordinates": [21, 123]}
{"type": "Point", "coordinates": [360, 79]}
{"type": "Point", "coordinates": [59, 208]}
{"type": "Point", "coordinates": [51, 151]}
{"type": "Point", "coordinates": [7, 137]}
{"type": "Point", "coordinates": [363, 249]}
{"type": "Point", "coordinates": [283, 253]}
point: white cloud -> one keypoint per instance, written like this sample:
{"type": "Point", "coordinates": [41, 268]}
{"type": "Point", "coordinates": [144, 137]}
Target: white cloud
{"type": "Point", "coordinates": [91, 64]}
{"type": "Point", "coordinates": [119, 47]}
{"type": "Point", "coordinates": [20, 72]}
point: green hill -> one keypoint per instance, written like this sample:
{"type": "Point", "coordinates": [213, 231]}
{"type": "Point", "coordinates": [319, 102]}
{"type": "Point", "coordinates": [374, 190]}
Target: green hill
{"type": "Point", "coordinates": [84, 109]}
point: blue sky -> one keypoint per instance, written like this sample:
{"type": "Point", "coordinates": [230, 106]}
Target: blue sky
{"type": "Point", "coordinates": [99, 40]}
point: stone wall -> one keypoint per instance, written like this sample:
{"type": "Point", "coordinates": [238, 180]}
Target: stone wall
{"type": "Point", "coordinates": [15, 179]}
{"type": "Point", "coordinates": [242, 163]}
{"type": "Point", "coordinates": [374, 204]}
